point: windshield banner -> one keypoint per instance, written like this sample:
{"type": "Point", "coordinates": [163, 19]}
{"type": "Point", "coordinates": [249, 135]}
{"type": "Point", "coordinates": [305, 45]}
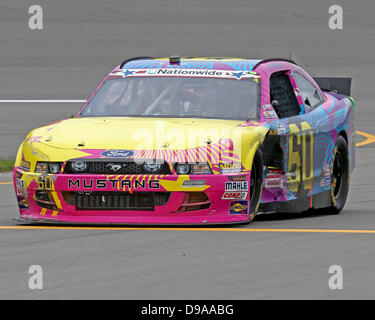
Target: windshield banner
{"type": "Point", "coordinates": [206, 73]}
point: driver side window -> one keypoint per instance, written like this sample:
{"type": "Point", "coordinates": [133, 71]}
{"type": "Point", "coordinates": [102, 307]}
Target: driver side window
{"type": "Point", "coordinates": [310, 94]}
{"type": "Point", "coordinates": [282, 95]}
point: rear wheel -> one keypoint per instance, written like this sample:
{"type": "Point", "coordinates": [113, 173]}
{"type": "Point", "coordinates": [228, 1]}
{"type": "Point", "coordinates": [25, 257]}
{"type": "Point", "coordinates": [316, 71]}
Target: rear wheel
{"type": "Point", "coordinates": [339, 177]}
{"type": "Point", "coordinates": [256, 184]}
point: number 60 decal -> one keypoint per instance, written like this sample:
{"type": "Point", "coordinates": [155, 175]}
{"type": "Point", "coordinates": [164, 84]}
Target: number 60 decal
{"type": "Point", "coordinates": [45, 182]}
{"type": "Point", "coordinates": [301, 156]}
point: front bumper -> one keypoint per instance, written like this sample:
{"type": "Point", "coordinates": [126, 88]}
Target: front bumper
{"type": "Point", "coordinates": [133, 199]}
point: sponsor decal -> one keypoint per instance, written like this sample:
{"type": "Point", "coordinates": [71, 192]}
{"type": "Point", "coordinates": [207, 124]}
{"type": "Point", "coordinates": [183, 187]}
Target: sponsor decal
{"type": "Point", "coordinates": [267, 107]}
{"type": "Point", "coordinates": [22, 202]}
{"type": "Point", "coordinates": [188, 72]}
{"type": "Point", "coordinates": [236, 186]}
{"type": "Point", "coordinates": [230, 167]}
{"type": "Point", "coordinates": [117, 153]}
{"type": "Point", "coordinates": [326, 170]}
{"type": "Point", "coordinates": [269, 114]}
{"type": "Point", "coordinates": [203, 73]}
{"type": "Point", "coordinates": [238, 207]}
{"type": "Point", "coordinates": [232, 195]}
{"type": "Point", "coordinates": [272, 172]}
{"type": "Point", "coordinates": [112, 183]}
{"type": "Point", "coordinates": [325, 182]}
{"type": "Point", "coordinates": [276, 182]}
{"type": "Point", "coordinates": [268, 111]}
{"type": "Point", "coordinates": [194, 183]}
{"type": "Point", "coordinates": [25, 165]}
{"type": "Point", "coordinates": [274, 179]}
{"type": "Point", "coordinates": [20, 187]}
{"type": "Point", "coordinates": [201, 169]}
{"type": "Point", "coordinates": [237, 178]}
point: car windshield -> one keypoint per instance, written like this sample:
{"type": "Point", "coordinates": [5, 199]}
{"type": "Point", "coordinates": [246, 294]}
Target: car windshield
{"type": "Point", "coordinates": [177, 97]}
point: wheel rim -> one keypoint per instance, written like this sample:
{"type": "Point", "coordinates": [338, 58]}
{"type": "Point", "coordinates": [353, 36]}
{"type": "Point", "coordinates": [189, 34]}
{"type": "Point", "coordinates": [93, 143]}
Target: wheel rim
{"type": "Point", "coordinates": [337, 174]}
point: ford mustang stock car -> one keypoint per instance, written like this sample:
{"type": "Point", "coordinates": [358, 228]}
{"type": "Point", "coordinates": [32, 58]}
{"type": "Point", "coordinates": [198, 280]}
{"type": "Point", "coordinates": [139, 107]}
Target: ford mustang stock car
{"type": "Point", "coordinates": [192, 141]}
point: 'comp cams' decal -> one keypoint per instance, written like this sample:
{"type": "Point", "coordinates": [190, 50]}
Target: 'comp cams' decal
{"type": "Point", "coordinates": [233, 195]}
{"type": "Point", "coordinates": [238, 207]}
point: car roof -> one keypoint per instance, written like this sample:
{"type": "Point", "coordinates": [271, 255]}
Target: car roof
{"type": "Point", "coordinates": [214, 63]}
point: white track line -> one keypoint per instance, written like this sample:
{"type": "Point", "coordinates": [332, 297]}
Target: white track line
{"type": "Point", "coordinates": [42, 101]}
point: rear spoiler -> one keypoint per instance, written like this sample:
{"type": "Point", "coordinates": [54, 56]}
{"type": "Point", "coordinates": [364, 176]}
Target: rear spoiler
{"type": "Point", "coordinates": [336, 85]}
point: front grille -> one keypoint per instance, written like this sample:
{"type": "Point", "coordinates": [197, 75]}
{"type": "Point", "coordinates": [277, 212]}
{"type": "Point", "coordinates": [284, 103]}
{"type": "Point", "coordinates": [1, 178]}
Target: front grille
{"type": "Point", "coordinates": [115, 167]}
{"type": "Point", "coordinates": [137, 201]}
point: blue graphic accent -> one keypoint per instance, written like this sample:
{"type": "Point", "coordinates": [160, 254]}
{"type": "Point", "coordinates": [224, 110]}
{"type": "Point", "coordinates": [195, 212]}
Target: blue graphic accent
{"type": "Point", "coordinates": [339, 119]}
{"type": "Point", "coordinates": [128, 72]}
{"type": "Point", "coordinates": [246, 65]}
{"type": "Point", "coordinates": [238, 75]}
{"type": "Point", "coordinates": [332, 104]}
{"type": "Point", "coordinates": [193, 65]}
{"type": "Point", "coordinates": [144, 64]}
{"type": "Point", "coordinates": [302, 107]}
{"type": "Point", "coordinates": [240, 65]}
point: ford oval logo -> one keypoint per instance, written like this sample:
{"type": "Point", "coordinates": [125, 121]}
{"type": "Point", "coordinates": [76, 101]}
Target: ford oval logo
{"type": "Point", "coordinates": [117, 153]}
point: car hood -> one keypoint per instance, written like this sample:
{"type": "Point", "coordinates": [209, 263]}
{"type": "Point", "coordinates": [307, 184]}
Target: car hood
{"type": "Point", "coordinates": [135, 133]}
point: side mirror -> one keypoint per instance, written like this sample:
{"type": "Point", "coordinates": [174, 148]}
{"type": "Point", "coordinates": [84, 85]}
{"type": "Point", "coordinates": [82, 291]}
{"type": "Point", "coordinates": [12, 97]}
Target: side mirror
{"type": "Point", "coordinates": [275, 103]}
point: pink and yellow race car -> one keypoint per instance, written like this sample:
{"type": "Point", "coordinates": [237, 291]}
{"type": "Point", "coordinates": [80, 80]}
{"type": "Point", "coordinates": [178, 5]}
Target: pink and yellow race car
{"type": "Point", "coordinates": [192, 141]}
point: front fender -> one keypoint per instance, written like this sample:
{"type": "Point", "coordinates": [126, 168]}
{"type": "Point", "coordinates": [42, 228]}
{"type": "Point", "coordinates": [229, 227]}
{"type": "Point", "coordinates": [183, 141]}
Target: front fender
{"type": "Point", "coordinates": [250, 142]}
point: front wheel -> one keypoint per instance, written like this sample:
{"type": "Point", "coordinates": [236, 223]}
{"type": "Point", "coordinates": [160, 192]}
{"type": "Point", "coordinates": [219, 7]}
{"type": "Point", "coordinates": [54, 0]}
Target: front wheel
{"type": "Point", "coordinates": [256, 184]}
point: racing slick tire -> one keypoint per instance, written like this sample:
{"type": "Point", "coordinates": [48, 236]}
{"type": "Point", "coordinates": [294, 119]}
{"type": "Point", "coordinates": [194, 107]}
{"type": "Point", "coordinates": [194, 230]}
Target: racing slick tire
{"type": "Point", "coordinates": [256, 184]}
{"type": "Point", "coordinates": [339, 178]}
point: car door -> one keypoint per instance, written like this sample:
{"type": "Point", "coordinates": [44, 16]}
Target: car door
{"type": "Point", "coordinates": [316, 116]}
{"type": "Point", "coordinates": [299, 149]}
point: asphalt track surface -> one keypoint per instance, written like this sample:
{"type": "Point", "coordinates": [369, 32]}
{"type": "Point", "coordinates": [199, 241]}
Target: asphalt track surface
{"type": "Point", "coordinates": [81, 41]}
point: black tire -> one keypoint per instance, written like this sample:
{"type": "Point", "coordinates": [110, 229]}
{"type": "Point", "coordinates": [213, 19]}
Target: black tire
{"type": "Point", "coordinates": [256, 184]}
{"type": "Point", "coordinates": [339, 177]}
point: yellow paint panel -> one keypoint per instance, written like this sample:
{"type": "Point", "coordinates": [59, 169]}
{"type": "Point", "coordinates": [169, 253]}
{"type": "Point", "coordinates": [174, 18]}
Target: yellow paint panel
{"type": "Point", "coordinates": [170, 185]}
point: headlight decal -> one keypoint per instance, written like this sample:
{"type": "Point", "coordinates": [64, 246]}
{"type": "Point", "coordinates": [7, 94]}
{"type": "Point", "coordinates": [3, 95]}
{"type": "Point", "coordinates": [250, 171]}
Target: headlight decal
{"type": "Point", "coordinates": [48, 167]}
{"type": "Point", "coordinates": [192, 168]}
